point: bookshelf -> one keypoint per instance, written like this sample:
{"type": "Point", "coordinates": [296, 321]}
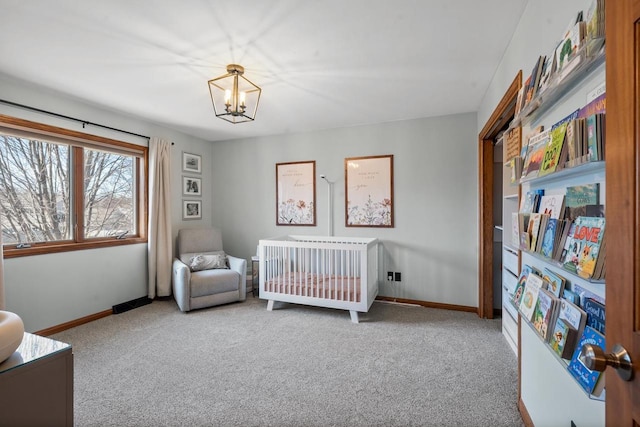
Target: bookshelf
{"type": "Point", "coordinates": [541, 369]}
{"type": "Point", "coordinates": [510, 252]}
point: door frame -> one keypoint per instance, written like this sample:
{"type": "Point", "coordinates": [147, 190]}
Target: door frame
{"type": "Point", "coordinates": [503, 114]}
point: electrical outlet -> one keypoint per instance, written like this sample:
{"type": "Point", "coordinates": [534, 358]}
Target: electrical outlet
{"type": "Point", "coordinates": [398, 277]}
{"type": "Point", "coordinates": [389, 276]}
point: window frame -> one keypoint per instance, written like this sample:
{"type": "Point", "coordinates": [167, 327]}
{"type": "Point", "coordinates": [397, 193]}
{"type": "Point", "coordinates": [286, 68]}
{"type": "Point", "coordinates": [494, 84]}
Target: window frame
{"type": "Point", "coordinates": [78, 141]}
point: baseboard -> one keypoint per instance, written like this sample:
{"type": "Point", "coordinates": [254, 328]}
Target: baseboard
{"type": "Point", "coordinates": [430, 304]}
{"type": "Point", "coordinates": [526, 418]}
{"type": "Point", "coordinates": [72, 324]}
{"type": "Point", "coordinates": [130, 305]}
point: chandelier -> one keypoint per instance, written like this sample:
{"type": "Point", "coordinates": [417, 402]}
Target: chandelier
{"type": "Point", "coordinates": [235, 99]}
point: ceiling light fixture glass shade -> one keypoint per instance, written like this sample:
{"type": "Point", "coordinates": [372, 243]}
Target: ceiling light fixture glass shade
{"type": "Point", "coordinates": [235, 99]}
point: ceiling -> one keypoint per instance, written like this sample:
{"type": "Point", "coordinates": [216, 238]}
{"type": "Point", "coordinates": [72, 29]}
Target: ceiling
{"type": "Point", "coordinates": [320, 63]}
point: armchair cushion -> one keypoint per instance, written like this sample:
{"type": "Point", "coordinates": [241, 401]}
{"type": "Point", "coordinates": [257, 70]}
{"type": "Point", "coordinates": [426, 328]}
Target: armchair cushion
{"type": "Point", "coordinates": [208, 262]}
{"type": "Point", "coordinates": [209, 282]}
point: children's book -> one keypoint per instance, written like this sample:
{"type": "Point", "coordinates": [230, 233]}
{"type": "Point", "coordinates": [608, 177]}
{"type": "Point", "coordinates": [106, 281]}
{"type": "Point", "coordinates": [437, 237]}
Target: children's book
{"type": "Point", "coordinates": [571, 296]}
{"type": "Point", "coordinates": [584, 294]}
{"type": "Point", "coordinates": [553, 150]}
{"type": "Point", "coordinates": [535, 154]}
{"type": "Point", "coordinates": [595, 314]}
{"type": "Point", "coordinates": [515, 229]}
{"type": "Point", "coordinates": [573, 314]}
{"type": "Point", "coordinates": [544, 314]}
{"type": "Point", "coordinates": [585, 245]}
{"type": "Point", "coordinates": [591, 381]}
{"type": "Point", "coordinates": [531, 201]}
{"type": "Point", "coordinates": [534, 229]}
{"type": "Point", "coordinates": [522, 280]}
{"type": "Point", "coordinates": [563, 339]}
{"type": "Point", "coordinates": [530, 295]}
{"type": "Point", "coordinates": [555, 282]}
{"type": "Point", "coordinates": [552, 205]}
{"type": "Point", "coordinates": [548, 238]}
{"type": "Point", "coordinates": [577, 198]}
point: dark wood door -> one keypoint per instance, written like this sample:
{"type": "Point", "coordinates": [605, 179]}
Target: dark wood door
{"type": "Point", "coordinates": [622, 213]}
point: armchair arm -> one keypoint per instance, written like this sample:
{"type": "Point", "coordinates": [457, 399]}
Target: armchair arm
{"type": "Point", "coordinates": [240, 265]}
{"type": "Point", "coordinates": [181, 284]}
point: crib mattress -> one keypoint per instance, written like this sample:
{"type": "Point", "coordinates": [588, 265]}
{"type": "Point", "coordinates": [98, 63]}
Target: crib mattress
{"type": "Point", "coordinates": [341, 288]}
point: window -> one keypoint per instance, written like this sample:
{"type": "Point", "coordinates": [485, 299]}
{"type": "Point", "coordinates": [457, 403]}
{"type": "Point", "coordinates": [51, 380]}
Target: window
{"type": "Point", "coordinates": [64, 190]}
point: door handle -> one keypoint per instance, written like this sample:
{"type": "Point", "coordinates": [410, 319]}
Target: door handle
{"type": "Point", "coordinates": [595, 359]}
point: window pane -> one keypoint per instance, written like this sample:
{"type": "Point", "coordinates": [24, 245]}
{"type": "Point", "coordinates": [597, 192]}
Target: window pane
{"type": "Point", "coordinates": [34, 190]}
{"type": "Point", "coordinates": [109, 194]}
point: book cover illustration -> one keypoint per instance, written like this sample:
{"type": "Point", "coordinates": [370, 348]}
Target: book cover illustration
{"type": "Point", "coordinates": [595, 314]}
{"type": "Point", "coordinates": [552, 205]}
{"type": "Point", "coordinates": [592, 137]}
{"type": "Point", "coordinates": [531, 201]}
{"type": "Point", "coordinates": [552, 152]}
{"type": "Point", "coordinates": [534, 229]}
{"type": "Point", "coordinates": [535, 154]}
{"type": "Point", "coordinates": [522, 280]}
{"type": "Point", "coordinates": [563, 339]}
{"type": "Point", "coordinates": [573, 314]}
{"type": "Point", "coordinates": [543, 317]}
{"type": "Point", "coordinates": [587, 378]}
{"type": "Point", "coordinates": [530, 295]}
{"type": "Point", "coordinates": [548, 238]}
{"type": "Point", "coordinates": [585, 245]}
{"type": "Point", "coordinates": [577, 198]}
{"type": "Point", "coordinates": [555, 282]}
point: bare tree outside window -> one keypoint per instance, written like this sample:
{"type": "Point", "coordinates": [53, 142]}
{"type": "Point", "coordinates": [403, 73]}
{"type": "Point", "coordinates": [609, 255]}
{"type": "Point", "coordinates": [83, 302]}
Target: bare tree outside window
{"type": "Point", "coordinates": [108, 194]}
{"type": "Point", "coordinates": [34, 190]}
{"type": "Point", "coordinates": [35, 182]}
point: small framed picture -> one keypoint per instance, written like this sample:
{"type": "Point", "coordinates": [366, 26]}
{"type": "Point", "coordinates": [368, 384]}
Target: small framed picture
{"type": "Point", "coordinates": [191, 186]}
{"type": "Point", "coordinates": [191, 162]}
{"type": "Point", "coordinates": [191, 209]}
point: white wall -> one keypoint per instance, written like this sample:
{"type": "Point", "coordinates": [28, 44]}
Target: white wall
{"type": "Point", "coordinates": [47, 290]}
{"type": "Point", "coordinates": [538, 31]}
{"type": "Point", "coordinates": [434, 241]}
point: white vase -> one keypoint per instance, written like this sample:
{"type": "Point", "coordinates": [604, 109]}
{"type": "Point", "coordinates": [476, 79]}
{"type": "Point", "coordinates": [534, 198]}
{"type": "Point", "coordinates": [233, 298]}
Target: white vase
{"type": "Point", "coordinates": [11, 333]}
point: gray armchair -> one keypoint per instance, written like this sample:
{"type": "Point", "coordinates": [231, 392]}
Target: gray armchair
{"type": "Point", "coordinates": [206, 288]}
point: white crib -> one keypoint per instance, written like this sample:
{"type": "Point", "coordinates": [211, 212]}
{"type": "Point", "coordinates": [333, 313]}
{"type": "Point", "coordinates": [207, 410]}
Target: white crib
{"type": "Point", "coordinates": [333, 272]}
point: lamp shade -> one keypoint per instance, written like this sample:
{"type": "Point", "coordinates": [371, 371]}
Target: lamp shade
{"type": "Point", "coordinates": [235, 99]}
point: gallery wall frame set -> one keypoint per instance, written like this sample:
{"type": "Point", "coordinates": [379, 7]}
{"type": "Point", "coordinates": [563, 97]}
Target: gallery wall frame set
{"type": "Point", "coordinates": [368, 185]}
{"type": "Point", "coordinates": [191, 186]}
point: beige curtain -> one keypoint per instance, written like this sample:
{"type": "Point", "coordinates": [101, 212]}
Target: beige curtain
{"type": "Point", "coordinates": [159, 242]}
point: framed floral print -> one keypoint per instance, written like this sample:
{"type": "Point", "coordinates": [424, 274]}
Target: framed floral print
{"type": "Point", "coordinates": [296, 193]}
{"type": "Point", "coordinates": [368, 186]}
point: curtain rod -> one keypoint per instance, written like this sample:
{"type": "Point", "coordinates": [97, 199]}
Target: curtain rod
{"type": "Point", "coordinates": [84, 122]}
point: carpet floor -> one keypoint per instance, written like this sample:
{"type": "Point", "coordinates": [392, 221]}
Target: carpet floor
{"type": "Point", "coordinates": [241, 365]}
